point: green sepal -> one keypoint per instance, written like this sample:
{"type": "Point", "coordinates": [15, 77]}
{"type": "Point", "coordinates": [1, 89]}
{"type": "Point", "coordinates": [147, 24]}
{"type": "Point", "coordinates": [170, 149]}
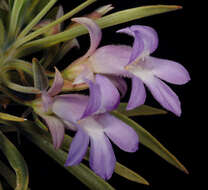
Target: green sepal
{"type": "Point", "coordinates": [39, 76]}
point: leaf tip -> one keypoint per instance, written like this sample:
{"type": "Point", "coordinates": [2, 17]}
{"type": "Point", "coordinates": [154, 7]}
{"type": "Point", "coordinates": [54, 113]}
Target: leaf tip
{"type": "Point", "coordinates": [185, 171]}
{"type": "Point", "coordinates": [179, 7]}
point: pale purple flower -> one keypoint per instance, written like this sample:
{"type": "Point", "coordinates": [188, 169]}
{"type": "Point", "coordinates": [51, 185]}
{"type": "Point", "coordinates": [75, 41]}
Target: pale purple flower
{"type": "Point", "coordinates": [133, 62]}
{"type": "Point", "coordinates": [96, 126]}
{"type": "Point", "coordinates": [90, 117]}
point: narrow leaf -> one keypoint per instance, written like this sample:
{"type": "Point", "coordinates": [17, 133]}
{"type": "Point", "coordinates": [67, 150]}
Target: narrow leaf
{"type": "Point", "coordinates": [7, 174]}
{"type": "Point", "coordinates": [151, 142]}
{"type": "Point", "coordinates": [2, 33]}
{"type": "Point", "coordinates": [16, 161]}
{"type": "Point", "coordinates": [18, 64]}
{"type": "Point", "coordinates": [9, 117]}
{"type": "Point", "coordinates": [39, 75]}
{"type": "Point", "coordinates": [20, 88]}
{"type": "Point", "coordinates": [129, 174]}
{"type": "Point", "coordinates": [1, 187]}
{"type": "Point", "coordinates": [11, 2]}
{"type": "Point", "coordinates": [142, 110]}
{"type": "Point", "coordinates": [103, 22]}
{"type": "Point", "coordinates": [15, 16]}
{"type": "Point", "coordinates": [82, 172]}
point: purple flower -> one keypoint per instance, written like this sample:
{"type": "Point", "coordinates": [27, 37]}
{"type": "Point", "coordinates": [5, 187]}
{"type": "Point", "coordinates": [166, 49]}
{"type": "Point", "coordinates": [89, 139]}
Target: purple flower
{"type": "Point", "coordinates": [135, 62]}
{"type": "Point", "coordinates": [90, 118]}
{"type": "Point", "coordinates": [96, 126]}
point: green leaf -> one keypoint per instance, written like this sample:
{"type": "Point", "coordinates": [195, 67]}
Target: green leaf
{"type": "Point", "coordinates": [18, 64]}
{"type": "Point", "coordinates": [8, 174]}
{"type": "Point", "coordinates": [15, 16]}
{"type": "Point", "coordinates": [20, 88]}
{"type": "Point", "coordinates": [142, 110]}
{"type": "Point", "coordinates": [82, 172]}
{"type": "Point", "coordinates": [151, 142]}
{"type": "Point", "coordinates": [1, 187]}
{"type": "Point", "coordinates": [2, 34]}
{"type": "Point", "coordinates": [40, 78]}
{"type": "Point", "coordinates": [11, 2]}
{"type": "Point", "coordinates": [129, 174]}
{"type": "Point", "coordinates": [104, 22]}
{"type": "Point", "coordinates": [9, 117]}
{"type": "Point", "coordinates": [16, 161]}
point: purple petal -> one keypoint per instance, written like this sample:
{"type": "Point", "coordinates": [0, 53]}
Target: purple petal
{"type": "Point", "coordinates": [70, 107]}
{"type": "Point", "coordinates": [119, 83]}
{"type": "Point", "coordinates": [110, 97]}
{"type": "Point", "coordinates": [47, 100]}
{"type": "Point", "coordinates": [169, 71]}
{"type": "Point", "coordinates": [102, 158]}
{"type": "Point", "coordinates": [94, 100]}
{"type": "Point", "coordinates": [78, 148]}
{"type": "Point", "coordinates": [57, 84]}
{"type": "Point", "coordinates": [164, 95]}
{"type": "Point", "coordinates": [111, 59]}
{"type": "Point", "coordinates": [56, 128]}
{"type": "Point", "coordinates": [138, 94]}
{"type": "Point", "coordinates": [147, 34]}
{"type": "Point", "coordinates": [99, 100]}
{"type": "Point", "coordinates": [120, 133]}
{"type": "Point", "coordinates": [138, 47]}
{"type": "Point", "coordinates": [94, 31]}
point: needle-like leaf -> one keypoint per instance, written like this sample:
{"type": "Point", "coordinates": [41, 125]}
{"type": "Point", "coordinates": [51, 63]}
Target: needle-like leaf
{"type": "Point", "coordinates": [151, 142]}
{"type": "Point", "coordinates": [142, 110]}
{"type": "Point", "coordinates": [16, 161]}
{"type": "Point", "coordinates": [9, 117]}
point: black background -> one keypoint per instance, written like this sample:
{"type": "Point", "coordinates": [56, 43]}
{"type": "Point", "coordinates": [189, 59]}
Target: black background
{"type": "Point", "coordinates": [173, 132]}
